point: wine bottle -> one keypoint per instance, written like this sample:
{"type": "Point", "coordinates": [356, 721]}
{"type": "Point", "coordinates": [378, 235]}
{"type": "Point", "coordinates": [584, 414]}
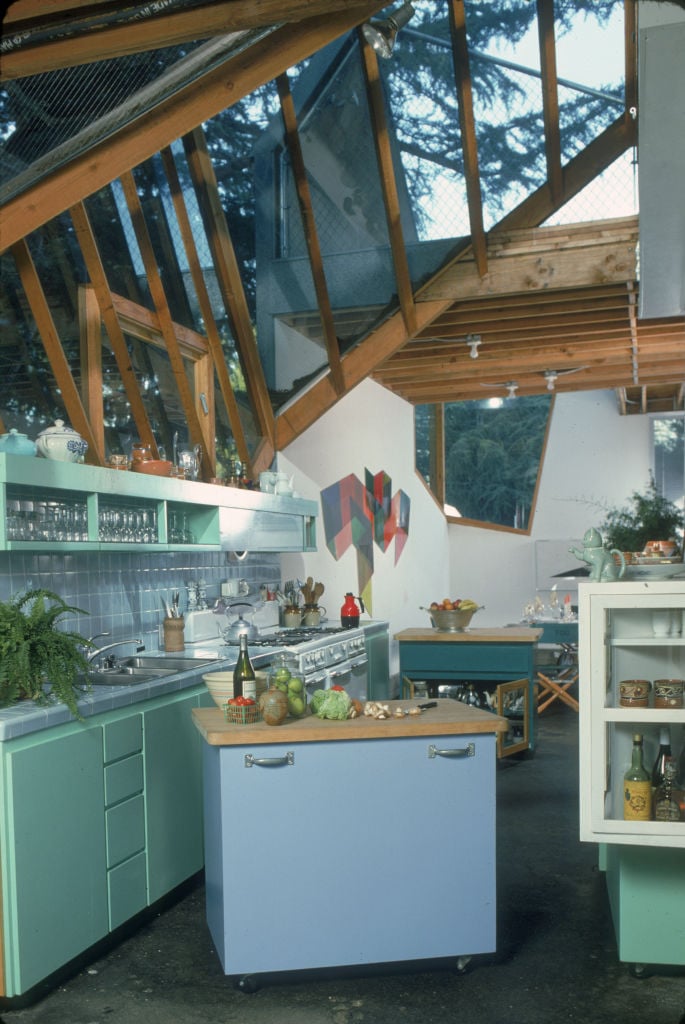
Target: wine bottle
{"type": "Point", "coordinates": [664, 752]}
{"type": "Point", "coordinates": [244, 679]}
{"type": "Point", "coordinates": [667, 799]}
{"type": "Point", "coordinates": [637, 786]}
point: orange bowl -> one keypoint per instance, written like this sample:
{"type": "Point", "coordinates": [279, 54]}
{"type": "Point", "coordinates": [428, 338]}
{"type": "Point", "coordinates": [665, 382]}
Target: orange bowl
{"type": "Point", "coordinates": [155, 467]}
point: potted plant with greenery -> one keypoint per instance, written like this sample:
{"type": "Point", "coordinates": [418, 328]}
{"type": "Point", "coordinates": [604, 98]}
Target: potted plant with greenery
{"type": "Point", "coordinates": [33, 652]}
{"type": "Point", "coordinates": [645, 517]}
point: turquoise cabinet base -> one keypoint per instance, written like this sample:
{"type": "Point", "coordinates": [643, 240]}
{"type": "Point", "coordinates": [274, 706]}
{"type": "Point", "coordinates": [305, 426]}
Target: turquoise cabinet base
{"type": "Point", "coordinates": [98, 820]}
{"type": "Point", "coordinates": [646, 888]}
{"type": "Point", "coordinates": [53, 853]}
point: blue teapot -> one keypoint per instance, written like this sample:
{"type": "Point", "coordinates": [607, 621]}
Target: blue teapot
{"type": "Point", "coordinates": [15, 443]}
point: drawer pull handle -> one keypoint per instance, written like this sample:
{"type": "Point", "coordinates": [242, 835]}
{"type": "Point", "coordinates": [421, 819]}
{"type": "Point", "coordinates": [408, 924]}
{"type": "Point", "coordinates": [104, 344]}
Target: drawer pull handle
{"type": "Point", "coordinates": [270, 762]}
{"type": "Point", "coordinates": [469, 751]}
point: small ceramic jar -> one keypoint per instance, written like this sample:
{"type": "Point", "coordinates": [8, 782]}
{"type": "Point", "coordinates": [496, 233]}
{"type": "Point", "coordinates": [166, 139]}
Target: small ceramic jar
{"type": "Point", "coordinates": [61, 443]}
{"type": "Point", "coordinates": [634, 693]}
{"type": "Point", "coordinates": [15, 443]}
{"type": "Point", "coordinates": [668, 693]}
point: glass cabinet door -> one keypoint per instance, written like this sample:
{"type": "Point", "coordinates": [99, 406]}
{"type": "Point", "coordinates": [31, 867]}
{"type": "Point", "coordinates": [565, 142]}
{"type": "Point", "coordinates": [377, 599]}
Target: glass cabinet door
{"type": "Point", "coordinates": [632, 667]}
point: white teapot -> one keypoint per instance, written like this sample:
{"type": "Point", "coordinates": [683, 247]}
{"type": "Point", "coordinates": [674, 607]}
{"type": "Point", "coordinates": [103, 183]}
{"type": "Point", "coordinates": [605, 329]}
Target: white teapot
{"type": "Point", "coordinates": [61, 443]}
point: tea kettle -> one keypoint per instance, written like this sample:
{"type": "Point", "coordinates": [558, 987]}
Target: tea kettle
{"type": "Point", "coordinates": [239, 626]}
{"type": "Point", "coordinates": [349, 613]}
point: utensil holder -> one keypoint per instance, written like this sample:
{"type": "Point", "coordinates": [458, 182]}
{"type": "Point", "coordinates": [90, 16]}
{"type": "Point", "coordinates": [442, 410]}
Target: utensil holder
{"type": "Point", "coordinates": [173, 634]}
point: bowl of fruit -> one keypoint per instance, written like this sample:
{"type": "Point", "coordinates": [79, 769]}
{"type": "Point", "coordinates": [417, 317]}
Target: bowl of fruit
{"type": "Point", "coordinates": [452, 616]}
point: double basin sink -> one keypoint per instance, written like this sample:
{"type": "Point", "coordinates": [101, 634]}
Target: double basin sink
{"type": "Point", "coordinates": [131, 671]}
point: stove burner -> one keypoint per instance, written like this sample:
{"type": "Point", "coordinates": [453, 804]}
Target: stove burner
{"type": "Point", "coordinates": [289, 637]}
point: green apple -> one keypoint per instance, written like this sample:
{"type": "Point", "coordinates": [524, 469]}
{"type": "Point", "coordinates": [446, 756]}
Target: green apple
{"type": "Point", "coordinates": [295, 684]}
{"type": "Point", "coordinates": [296, 705]}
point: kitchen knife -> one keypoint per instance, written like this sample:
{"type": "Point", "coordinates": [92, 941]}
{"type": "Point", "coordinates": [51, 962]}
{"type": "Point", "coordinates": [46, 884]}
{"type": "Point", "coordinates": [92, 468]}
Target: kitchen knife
{"type": "Point", "coordinates": [430, 704]}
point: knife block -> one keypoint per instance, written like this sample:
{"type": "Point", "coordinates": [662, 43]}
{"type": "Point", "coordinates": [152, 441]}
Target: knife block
{"type": "Point", "coordinates": [173, 634]}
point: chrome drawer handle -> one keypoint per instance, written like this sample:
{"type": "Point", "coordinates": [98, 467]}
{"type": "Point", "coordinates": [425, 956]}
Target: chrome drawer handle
{"type": "Point", "coordinates": [469, 751]}
{"type": "Point", "coordinates": [270, 762]}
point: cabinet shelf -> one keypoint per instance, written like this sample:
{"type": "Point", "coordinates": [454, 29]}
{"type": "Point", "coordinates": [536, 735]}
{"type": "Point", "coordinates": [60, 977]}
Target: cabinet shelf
{"type": "Point", "coordinates": [64, 506]}
{"type": "Point", "coordinates": [617, 643]}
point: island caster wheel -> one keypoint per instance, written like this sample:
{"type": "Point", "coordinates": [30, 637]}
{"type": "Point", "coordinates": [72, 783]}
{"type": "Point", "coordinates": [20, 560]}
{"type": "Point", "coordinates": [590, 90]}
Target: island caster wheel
{"type": "Point", "coordinates": [248, 984]}
{"type": "Point", "coordinates": [638, 971]}
{"type": "Point", "coordinates": [462, 964]}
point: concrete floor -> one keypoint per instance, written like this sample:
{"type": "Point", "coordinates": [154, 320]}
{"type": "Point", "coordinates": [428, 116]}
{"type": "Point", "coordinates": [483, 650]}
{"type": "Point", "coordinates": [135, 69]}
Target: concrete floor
{"type": "Point", "coordinates": [556, 959]}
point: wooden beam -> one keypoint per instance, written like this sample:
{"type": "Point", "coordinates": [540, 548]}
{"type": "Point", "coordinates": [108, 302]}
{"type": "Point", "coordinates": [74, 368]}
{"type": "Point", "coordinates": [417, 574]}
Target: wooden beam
{"type": "Point", "coordinates": [90, 325]}
{"type": "Point", "coordinates": [228, 277]}
{"type": "Point", "coordinates": [74, 39]}
{"type": "Point", "coordinates": [391, 201]}
{"type": "Point", "coordinates": [193, 103]}
{"type": "Point", "coordinates": [310, 233]}
{"type": "Point", "coordinates": [195, 427]}
{"type": "Point", "coordinates": [467, 126]}
{"type": "Point", "coordinates": [55, 353]}
{"type": "Point", "coordinates": [98, 277]}
{"type": "Point", "coordinates": [550, 96]}
{"type": "Point", "coordinates": [205, 304]}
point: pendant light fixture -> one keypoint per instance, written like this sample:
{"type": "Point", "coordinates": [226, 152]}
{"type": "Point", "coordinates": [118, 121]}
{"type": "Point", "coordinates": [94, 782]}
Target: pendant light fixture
{"type": "Point", "coordinates": [381, 35]}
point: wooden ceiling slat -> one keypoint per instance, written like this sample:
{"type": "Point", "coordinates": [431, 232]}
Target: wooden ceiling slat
{"type": "Point", "coordinates": [90, 325]}
{"type": "Point", "coordinates": [467, 125]}
{"type": "Point", "coordinates": [205, 304]}
{"type": "Point", "coordinates": [55, 353]}
{"type": "Point", "coordinates": [228, 278]}
{"type": "Point", "coordinates": [391, 201]}
{"type": "Point", "coordinates": [150, 33]}
{"type": "Point", "coordinates": [310, 232]}
{"type": "Point", "coordinates": [166, 325]}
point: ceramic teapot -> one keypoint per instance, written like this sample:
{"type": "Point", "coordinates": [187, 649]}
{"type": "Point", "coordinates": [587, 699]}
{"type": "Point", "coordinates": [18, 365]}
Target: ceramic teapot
{"type": "Point", "coordinates": [15, 443]}
{"type": "Point", "coordinates": [603, 566]}
{"type": "Point", "coordinates": [61, 443]}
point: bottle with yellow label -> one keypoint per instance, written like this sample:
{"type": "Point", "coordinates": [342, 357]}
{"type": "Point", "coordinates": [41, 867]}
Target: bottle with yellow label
{"type": "Point", "coordinates": [637, 787]}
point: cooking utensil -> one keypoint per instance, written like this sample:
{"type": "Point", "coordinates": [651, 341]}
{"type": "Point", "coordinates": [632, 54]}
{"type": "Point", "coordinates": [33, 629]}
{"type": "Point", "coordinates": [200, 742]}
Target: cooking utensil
{"type": "Point", "coordinates": [318, 591]}
{"type": "Point", "coordinates": [239, 626]}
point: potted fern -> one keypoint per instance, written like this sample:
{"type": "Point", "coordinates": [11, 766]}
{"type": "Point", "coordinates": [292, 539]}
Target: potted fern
{"type": "Point", "coordinates": [645, 517]}
{"type": "Point", "coordinates": [33, 652]}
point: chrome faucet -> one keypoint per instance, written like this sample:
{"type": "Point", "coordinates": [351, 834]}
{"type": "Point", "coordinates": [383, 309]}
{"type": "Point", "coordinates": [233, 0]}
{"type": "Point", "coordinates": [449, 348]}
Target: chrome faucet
{"type": "Point", "coordinates": [99, 651]}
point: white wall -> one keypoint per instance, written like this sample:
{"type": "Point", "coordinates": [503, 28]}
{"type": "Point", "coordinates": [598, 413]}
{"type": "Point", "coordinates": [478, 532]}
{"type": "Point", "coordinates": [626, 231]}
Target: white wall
{"type": "Point", "coordinates": [594, 457]}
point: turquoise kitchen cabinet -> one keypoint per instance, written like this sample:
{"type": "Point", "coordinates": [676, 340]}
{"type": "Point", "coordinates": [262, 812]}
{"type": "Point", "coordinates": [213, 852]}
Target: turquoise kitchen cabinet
{"type": "Point", "coordinates": [173, 786]}
{"type": "Point", "coordinates": [98, 820]}
{"type": "Point", "coordinates": [52, 836]}
{"type": "Point", "coordinates": [376, 641]}
{"type": "Point", "coordinates": [488, 655]}
{"type": "Point", "coordinates": [56, 506]}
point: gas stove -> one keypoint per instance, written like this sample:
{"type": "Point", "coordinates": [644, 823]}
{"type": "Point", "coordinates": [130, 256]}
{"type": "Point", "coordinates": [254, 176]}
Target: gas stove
{"type": "Point", "coordinates": [291, 637]}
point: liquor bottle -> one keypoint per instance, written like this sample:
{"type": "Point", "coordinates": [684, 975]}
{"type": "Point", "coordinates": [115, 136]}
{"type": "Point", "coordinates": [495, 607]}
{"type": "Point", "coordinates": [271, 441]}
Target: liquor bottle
{"type": "Point", "coordinates": [664, 752]}
{"type": "Point", "coordinates": [244, 679]}
{"type": "Point", "coordinates": [668, 798]}
{"type": "Point", "coordinates": [637, 786]}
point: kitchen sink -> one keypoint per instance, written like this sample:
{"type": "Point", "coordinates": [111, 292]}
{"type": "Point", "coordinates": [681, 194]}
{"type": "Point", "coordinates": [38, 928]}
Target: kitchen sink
{"type": "Point", "coordinates": [131, 671]}
{"type": "Point", "coordinates": [176, 664]}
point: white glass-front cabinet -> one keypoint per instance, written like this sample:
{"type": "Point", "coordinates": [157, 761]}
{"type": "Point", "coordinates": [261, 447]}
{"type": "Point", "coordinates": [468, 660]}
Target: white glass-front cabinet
{"type": "Point", "coordinates": [628, 631]}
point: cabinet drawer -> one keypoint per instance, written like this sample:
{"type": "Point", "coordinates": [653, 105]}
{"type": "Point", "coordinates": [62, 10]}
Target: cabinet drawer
{"type": "Point", "coordinates": [125, 829]}
{"type": "Point", "coordinates": [127, 889]}
{"type": "Point", "coordinates": [461, 660]}
{"type": "Point", "coordinates": [123, 779]}
{"type": "Point", "coordinates": [123, 738]}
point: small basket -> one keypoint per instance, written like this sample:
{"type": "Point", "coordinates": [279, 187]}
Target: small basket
{"type": "Point", "coordinates": [242, 714]}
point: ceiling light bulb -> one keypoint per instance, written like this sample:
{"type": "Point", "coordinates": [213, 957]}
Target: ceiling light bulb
{"type": "Point", "coordinates": [473, 341]}
{"type": "Point", "coordinates": [381, 34]}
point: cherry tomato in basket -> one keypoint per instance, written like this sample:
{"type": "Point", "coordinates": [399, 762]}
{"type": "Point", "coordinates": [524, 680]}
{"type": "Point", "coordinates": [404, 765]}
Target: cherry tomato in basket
{"type": "Point", "coordinates": [241, 701]}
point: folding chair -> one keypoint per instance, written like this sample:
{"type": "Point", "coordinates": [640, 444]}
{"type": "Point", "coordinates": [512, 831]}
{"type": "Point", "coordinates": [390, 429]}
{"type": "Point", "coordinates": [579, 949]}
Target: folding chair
{"type": "Point", "coordinates": [555, 686]}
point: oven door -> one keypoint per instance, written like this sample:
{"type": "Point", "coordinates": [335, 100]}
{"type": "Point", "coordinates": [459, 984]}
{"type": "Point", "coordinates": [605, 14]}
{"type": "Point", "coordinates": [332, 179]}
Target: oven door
{"type": "Point", "coordinates": [353, 675]}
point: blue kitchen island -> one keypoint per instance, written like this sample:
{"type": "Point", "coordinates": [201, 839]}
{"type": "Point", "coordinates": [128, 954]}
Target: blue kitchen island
{"type": "Point", "coordinates": [366, 841]}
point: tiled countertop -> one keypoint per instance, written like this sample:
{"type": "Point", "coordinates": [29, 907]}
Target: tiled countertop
{"type": "Point", "coordinates": [27, 717]}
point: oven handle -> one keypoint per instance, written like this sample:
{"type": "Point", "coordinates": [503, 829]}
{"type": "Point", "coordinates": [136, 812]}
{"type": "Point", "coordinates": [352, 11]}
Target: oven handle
{"type": "Point", "coordinates": [359, 662]}
{"type": "Point", "coordinates": [344, 668]}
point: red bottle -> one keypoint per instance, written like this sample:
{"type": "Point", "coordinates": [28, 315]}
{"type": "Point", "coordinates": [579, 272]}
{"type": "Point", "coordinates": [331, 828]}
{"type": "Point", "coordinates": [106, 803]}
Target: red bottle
{"type": "Point", "coordinates": [349, 613]}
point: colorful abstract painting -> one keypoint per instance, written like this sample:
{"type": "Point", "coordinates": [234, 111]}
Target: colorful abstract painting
{"type": "Point", "coordinates": [363, 514]}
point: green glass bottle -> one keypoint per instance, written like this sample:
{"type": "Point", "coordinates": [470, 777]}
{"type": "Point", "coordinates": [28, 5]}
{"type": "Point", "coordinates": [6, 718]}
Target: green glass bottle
{"type": "Point", "coordinates": [244, 679]}
{"type": "Point", "coordinates": [637, 786]}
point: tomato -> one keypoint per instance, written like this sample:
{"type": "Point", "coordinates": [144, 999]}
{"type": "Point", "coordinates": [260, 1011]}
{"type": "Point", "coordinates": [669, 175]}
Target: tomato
{"type": "Point", "coordinates": [336, 687]}
{"type": "Point", "coordinates": [241, 701]}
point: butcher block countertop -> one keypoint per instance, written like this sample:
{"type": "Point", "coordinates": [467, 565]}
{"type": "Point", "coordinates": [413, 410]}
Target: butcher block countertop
{"type": "Point", "coordinates": [449, 717]}
{"type": "Point", "coordinates": [491, 635]}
